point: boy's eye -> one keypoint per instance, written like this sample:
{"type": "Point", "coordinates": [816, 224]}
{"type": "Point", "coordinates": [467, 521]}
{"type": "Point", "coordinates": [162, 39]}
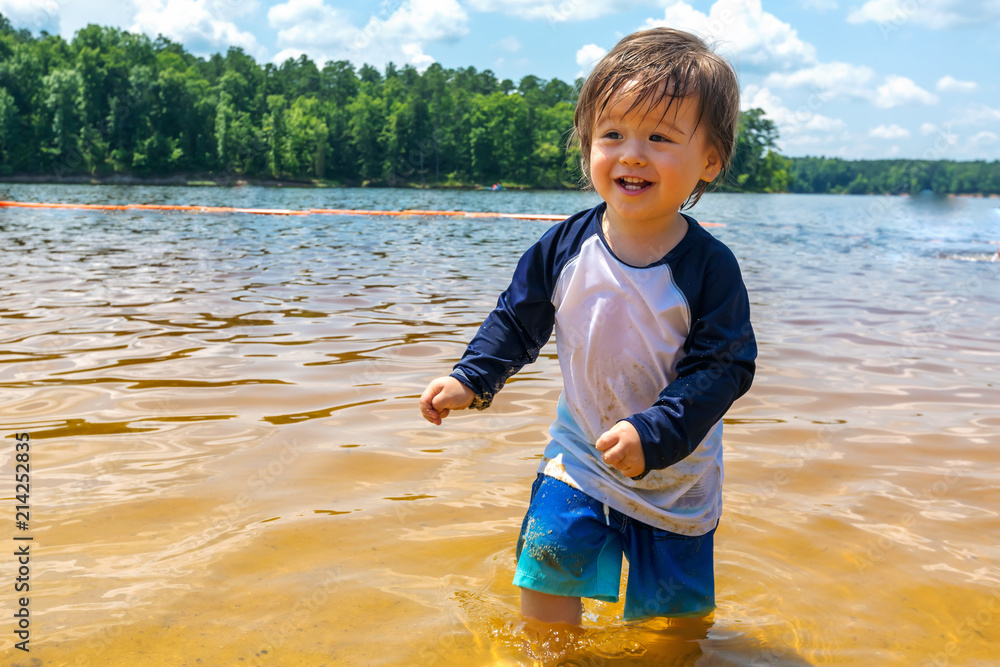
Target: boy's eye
{"type": "Point", "coordinates": [612, 134]}
{"type": "Point", "coordinates": [658, 137]}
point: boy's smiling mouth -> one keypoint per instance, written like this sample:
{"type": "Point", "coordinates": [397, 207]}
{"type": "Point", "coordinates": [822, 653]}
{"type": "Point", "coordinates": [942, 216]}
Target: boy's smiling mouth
{"type": "Point", "coordinates": [632, 183]}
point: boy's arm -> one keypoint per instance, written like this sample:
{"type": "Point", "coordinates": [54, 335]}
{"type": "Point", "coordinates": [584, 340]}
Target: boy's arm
{"type": "Point", "coordinates": [441, 397]}
{"type": "Point", "coordinates": [716, 369]}
{"type": "Point", "coordinates": [516, 330]}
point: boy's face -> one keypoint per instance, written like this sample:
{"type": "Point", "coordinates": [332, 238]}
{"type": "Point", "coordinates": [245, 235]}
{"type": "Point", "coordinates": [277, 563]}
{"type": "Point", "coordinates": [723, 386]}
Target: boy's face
{"type": "Point", "coordinates": [645, 163]}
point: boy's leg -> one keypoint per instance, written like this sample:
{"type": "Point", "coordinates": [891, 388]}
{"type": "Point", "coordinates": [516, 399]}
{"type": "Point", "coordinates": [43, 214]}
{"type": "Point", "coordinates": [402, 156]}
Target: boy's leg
{"type": "Point", "coordinates": [551, 608]}
{"type": "Point", "coordinates": [566, 550]}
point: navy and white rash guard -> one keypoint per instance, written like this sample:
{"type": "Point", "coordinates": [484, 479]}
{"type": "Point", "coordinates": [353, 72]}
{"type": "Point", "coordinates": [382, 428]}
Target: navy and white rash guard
{"type": "Point", "coordinates": [667, 347]}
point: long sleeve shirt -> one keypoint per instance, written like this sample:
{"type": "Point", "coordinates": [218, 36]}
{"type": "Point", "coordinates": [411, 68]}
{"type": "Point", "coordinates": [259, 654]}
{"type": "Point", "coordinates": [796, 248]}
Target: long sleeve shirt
{"type": "Point", "coordinates": [667, 347]}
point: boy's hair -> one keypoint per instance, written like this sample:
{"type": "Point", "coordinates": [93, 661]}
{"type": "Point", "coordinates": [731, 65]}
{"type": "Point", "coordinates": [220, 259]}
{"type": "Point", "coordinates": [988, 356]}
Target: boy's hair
{"type": "Point", "coordinates": [666, 65]}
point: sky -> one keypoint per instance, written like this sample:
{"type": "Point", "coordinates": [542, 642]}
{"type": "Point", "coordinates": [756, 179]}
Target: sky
{"type": "Point", "coordinates": [858, 79]}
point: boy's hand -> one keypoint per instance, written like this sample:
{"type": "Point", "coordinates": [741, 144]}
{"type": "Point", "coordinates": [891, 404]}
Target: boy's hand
{"type": "Point", "coordinates": [623, 449]}
{"type": "Point", "coordinates": [442, 396]}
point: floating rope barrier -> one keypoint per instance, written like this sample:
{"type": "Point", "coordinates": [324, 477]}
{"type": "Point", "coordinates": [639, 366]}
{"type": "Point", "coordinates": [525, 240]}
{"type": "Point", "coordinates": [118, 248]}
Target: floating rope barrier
{"type": "Point", "coordinates": [283, 211]}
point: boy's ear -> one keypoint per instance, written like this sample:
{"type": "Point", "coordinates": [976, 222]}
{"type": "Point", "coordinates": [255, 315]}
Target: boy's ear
{"type": "Point", "coordinates": [713, 164]}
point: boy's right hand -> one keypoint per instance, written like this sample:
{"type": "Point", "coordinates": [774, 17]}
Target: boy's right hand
{"type": "Point", "coordinates": [442, 396]}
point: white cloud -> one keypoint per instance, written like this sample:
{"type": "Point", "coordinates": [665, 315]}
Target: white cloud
{"type": "Point", "coordinates": [759, 38]}
{"type": "Point", "coordinates": [819, 5]}
{"type": "Point", "coordinates": [197, 24]}
{"type": "Point", "coordinates": [978, 114]}
{"type": "Point", "coordinates": [934, 14]}
{"type": "Point", "coordinates": [426, 21]}
{"type": "Point", "coordinates": [414, 54]}
{"type": "Point", "coordinates": [984, 138]}
{"type": "Point", "coordinates": [587, 56]}
{"type": "Point", "coordinates": [555, 11]}
{"type": "Point", "coordinates": [900, 91]}
{"type": "Point", "coordinates": [511, 43]}
{"type": "Point", "coordinates": [33, 15]}
{"type": "Point", "coordinates": [305, 25]}
{"type": "Point", "coordinates": [949, 84]}
{"type": "Point", "coordinates": [233, 8]}
{"type": "Point", "coordinates": [285, 54]}
{"type": "Point", "coordinates": [944, 134]}
{"type": "Point", "coordinates": [798, 128]}
{"type": "Point", "coordinates": [889, 132]}
{"type": "Point", "coordinates": [834, 79]}
{"type": "Point", "coordinates": [326, 33]}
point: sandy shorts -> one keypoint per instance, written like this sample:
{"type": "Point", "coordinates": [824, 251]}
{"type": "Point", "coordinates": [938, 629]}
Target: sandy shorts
{"type": "Point", "coordinates": [571, 544]}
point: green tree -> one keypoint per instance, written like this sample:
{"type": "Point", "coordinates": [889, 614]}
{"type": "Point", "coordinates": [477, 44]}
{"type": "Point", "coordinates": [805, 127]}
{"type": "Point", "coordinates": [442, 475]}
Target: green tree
{"type": "Point", "coordinates": [113, 101]}
{"type": "Point", "coordinates": [274, 134]}
{"type": "Point", "coordinates": [63, 105]}
{"type": "Point", "coordinates": [8, 129]}
{"type": "Point", "coordinates": [775, 171]}
{"type": "Point", "coordinates": [241, 149]}
{"type": "Point", "coordinates": [757, 135]}
{"type": "Point", "coordinates": [299, 77]}
{"type": "Point", "coordinates": [338, 82]}
{"type": "Point", "coordinates": [305, 140]}
{"type": "Point", "coordinates": [243, 80]}
{"type": "Point", "coordinates": [367, 117]}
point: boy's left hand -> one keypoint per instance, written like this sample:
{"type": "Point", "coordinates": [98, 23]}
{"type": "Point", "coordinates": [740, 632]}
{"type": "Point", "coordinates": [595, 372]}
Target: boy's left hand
{"type": "Point", "coordinates": [623, 449]}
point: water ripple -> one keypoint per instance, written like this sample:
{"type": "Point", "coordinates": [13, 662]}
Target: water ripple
{"type": "Point", "coordinates": [227, 458]}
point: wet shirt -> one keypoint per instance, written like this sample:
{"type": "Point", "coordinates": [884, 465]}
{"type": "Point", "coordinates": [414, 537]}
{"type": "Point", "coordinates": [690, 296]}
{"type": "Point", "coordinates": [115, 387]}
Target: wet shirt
{"type": "Point", "coordinates": [668, 347]}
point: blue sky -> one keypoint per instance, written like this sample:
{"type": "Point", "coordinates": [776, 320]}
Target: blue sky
{"type": "Point", "coordinates": [848, 78]}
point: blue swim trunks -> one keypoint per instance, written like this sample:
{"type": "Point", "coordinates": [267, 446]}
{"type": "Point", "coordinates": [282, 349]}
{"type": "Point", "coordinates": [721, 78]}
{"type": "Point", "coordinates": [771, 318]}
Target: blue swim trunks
{"type": "Point", "coordinates": [571, 544]}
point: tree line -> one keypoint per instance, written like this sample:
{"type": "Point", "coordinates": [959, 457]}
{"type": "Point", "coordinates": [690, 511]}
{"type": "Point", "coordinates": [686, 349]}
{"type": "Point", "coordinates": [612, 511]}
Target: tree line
{"type": "Point", "coordinates": [817, 174]}
{"type": "Point", "coordinates": [112, 102]}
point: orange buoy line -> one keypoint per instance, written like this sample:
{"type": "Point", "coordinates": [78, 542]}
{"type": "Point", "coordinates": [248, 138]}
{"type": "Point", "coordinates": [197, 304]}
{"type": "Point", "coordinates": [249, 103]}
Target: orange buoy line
{"type": "Point", "coordinates": [283, 211]}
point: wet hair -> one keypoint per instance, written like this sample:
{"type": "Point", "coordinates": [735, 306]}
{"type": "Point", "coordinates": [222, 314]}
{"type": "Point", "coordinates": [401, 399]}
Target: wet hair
{"type": "Point", "coordinates": [666, 66]}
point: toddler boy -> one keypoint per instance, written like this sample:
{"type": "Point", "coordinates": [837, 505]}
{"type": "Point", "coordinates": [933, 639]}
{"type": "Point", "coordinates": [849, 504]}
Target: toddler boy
{"type": "Point", "coordinates": [654, 340]}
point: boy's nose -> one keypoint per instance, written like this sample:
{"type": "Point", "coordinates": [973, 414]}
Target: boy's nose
{"type": "Point", "coordinates": [632, 159]}
{"type": "Point", "coordinates": [631, 155]}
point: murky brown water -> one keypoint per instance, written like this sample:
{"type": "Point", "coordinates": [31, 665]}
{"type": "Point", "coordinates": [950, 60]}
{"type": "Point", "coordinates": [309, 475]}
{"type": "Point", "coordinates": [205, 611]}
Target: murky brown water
{"type": "Point", "coordinates": [228, 465]}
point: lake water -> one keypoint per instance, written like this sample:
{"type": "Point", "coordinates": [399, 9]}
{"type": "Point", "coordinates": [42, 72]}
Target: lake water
{"type": "Point", "coordinates": [228, 465]}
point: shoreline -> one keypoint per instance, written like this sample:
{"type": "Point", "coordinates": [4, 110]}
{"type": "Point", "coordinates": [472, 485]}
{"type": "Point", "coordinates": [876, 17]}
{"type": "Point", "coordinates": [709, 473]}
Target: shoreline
{"type": "Point", "coordinates": [206, 180]}
{"type": "Point", "coordinates": [202, 180]}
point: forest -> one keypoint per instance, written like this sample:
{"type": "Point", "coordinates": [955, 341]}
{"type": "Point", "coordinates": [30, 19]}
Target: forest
{"type": "Point", "coordinates": [110, 102]}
